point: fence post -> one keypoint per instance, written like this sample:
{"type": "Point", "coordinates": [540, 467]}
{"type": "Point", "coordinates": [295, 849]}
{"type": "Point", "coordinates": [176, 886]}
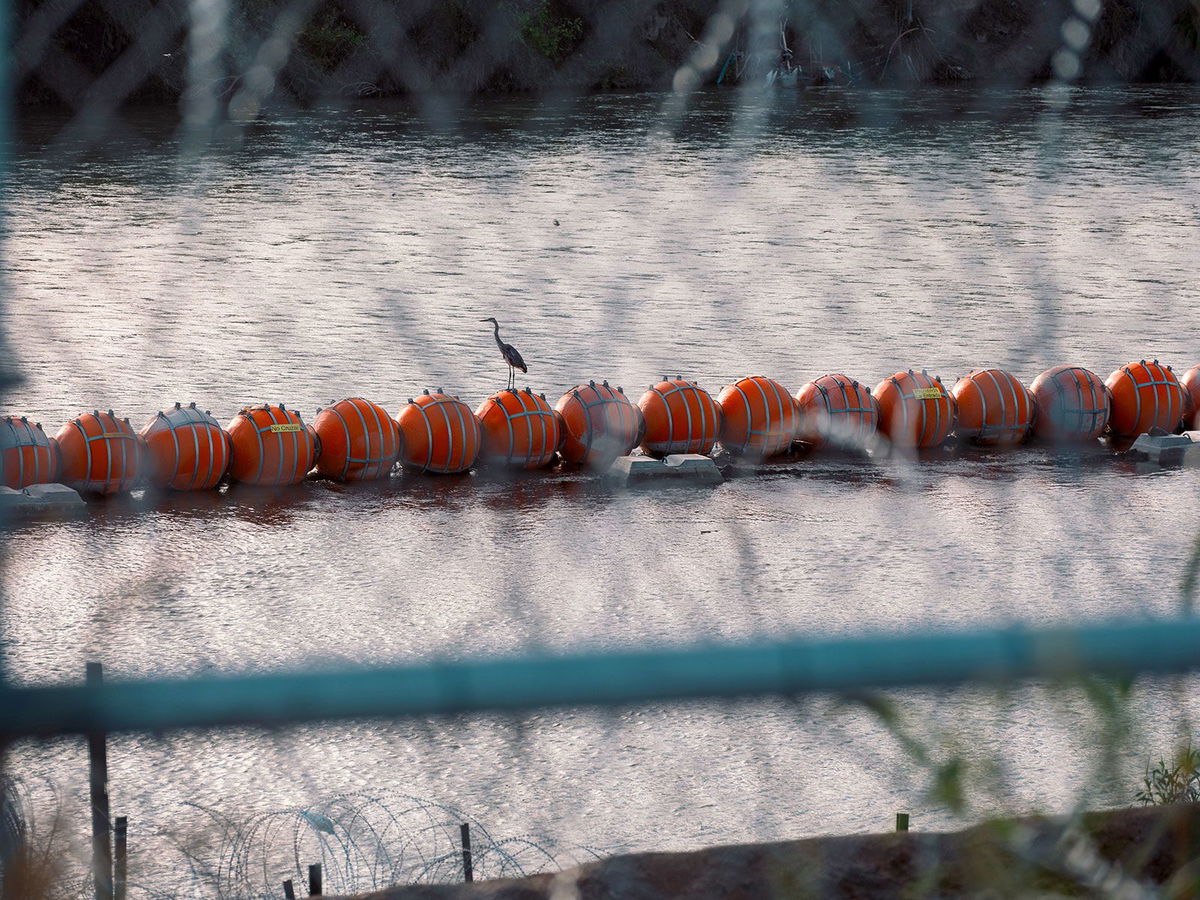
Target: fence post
{"type": "Point", "coordinates": [120, 857]}
{"type": "Point", "coordinates": [314, 880]}
{"type": "Point", "coordinates": [98, 782]}
{"type": "Point", "coordinates": [289, 892]}
{"type": "Point", "coordinates": [902, 821]}
{"type": "Point", "coordinates": [468, 866]}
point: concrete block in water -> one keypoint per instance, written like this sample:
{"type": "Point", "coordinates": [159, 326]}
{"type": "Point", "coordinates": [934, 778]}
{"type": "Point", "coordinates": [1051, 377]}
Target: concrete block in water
{"type": "Point", "coordinates": [1164, 449]}
{"type": "Point", "coordinates": [694, 467]}
{"type": "Point", "coordinates": [679, 467]}
{"type": "Point", "coordinates": [54, 496]}
{"type": "Point", "coordinates": [12, 501]}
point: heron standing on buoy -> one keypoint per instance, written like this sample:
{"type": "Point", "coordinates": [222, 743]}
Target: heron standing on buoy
{"type": "Point", "coordinates": [510, 354]}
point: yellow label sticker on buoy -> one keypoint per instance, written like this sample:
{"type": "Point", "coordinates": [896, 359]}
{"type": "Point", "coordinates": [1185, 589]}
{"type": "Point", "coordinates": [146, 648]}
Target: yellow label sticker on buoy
{"type": "Point", "coordinates": [286, 428]}
{"type": "Point", "coordinates": [927, 393]}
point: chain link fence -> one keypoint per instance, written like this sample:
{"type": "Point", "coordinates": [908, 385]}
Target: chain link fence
{"type": "Point", "coordinates": [231, 201]}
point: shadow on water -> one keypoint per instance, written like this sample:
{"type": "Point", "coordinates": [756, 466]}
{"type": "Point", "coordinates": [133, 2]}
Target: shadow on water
{"type": "Point", "coordinates": [820, 116]}
{"type": "Point", "coordinates": [495, 488]}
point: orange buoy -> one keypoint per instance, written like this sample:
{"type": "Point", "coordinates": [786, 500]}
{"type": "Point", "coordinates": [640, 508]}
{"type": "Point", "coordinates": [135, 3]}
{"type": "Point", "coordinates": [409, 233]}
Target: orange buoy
{"type": "Point", "coordinates": [758, 417]}
{"type": "Point", "coordinates": [1144, 395]}
{"type": "Point", "coordinates": [1072, 404]}
{"type": "Point", "coordinates": [915, 410]}
{"type": "Point", "coordinates": [1190, 382]}
{"type": "Point", "coordinates": [99, 453]}
{"type": "Point", "coordinates": [356, 440]}
{"type": "Point", "coordinates": [186, 449]}
{"type": "Point", "coordinates": [680, 417]}
{"type": "Point", "coordinates": [269, 446]}
{"type": "Point", "coordinates": [439, 434]}
{"type": "Point", "coordinates": [837, 410]}
{"type": "Point", "coordinates": [993, 408]}
{"type": "Point", "coordinates": [519, 428]}
{"type": "Point", "coordinates": [598, 422]}
{"type": "Point", "coordinates": [27, 455]}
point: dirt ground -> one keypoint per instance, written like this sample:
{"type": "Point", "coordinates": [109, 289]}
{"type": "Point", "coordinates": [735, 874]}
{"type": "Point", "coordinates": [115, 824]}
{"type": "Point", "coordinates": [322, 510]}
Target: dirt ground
{"type": "Point", "coordinates": [1115, 853]}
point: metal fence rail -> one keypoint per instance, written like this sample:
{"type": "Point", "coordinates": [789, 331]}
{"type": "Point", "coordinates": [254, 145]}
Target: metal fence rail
{"type": "Point", "coordinates": [1115, 648]}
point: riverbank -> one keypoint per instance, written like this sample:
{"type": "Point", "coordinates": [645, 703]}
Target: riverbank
{"type": "Point", "coordinates": [97, 53]}
{"type": "Point", "coordinates": [1117, 850]}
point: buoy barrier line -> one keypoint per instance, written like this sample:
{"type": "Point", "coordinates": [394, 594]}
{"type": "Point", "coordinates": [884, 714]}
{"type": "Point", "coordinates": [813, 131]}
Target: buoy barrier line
{"type": "Point", "coordinates": [609, 424]}
{"type": "Point", "coordinates": [687, 410]}
{"type": "Point", "coordinates": [466, 423]}
{"type": "Point", "coordinates": [980, 420]}
{"type": "Point", "coordinates": [590, 433]}
{"type": "Point", "coordinates": [174, 430]}
{"type": "Point", "coordinates": [262, 455]}
{"type": "Point", "coordinates": [923, 388]}
{"type": "Point", "coordinates": [81, 459]}
{"type": "Point", "coordinates": [707, 411]}
{"type": "Point", "coordinates": [462, 425]}
{"type": "Point", "coordinates": [819, 420]}
{"type": "Point", "coordinates": [532, 408]}
{"type": "Point", "coordinates": [1097, 412]}
{"type": "Point", "coordinates": [368, 448]}
{"type": "Point", "coordinates": [175, 420]}
{"type": "Point", "coordinates": [1061, 405]}
{"type": "Point", "coordinates": [19, 437]}
{"type": "Point", "coordinates": [528, 417]}
{"type": "Point", "coordinates": [429, 435]}
{"type": "Point", "coordinates": [786, 668]}
{"type": "Point", "coordinates": [1000, 431]}
{"type": "Point", "coordinates": [349, 440]}
{"type": "Point", "coordinates": [1065, 402]}
{"type": "Point", "coordinates": [1126, 424]}
{"type": "Point", "coordinates": [285, 432]}
{"type": "Point", "coordinates": [845, 407]}
{"type": "Point", "coordinates": [294, 429]}
{"type": "Point", "coordinates": [381, 461]}
{"type": "Point", "coordinates": [118, 436]}
{"type": "Point", "coordinates": [766, 431]}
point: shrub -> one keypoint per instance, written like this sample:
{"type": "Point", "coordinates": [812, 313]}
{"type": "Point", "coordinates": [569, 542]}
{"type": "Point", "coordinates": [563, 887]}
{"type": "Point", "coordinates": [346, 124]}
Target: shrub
{"type": "Point", "coordinates": [551, 32]}
{"type": "Point", "coordinates": [328, 39]}
{"type": "Point", "coordinates": [1172, 783]}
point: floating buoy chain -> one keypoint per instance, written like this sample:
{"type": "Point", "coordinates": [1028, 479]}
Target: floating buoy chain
{"type": "Point", "coordinates": [184, 448]}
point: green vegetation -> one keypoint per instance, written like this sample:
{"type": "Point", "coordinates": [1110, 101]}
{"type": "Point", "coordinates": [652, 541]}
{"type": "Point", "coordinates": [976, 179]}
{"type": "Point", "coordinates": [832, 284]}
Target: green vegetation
{"type": "Point", "coordinates": [1174, 782]}
{"type": "Point", "coordinates": [551, 31]}
{"type": "Point", "coordinates": [328, 39]}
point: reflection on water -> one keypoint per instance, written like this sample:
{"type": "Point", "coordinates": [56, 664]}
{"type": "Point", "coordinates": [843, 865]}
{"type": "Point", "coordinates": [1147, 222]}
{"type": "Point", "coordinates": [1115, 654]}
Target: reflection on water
{"type": "Point", "coordinates": [353, 252]}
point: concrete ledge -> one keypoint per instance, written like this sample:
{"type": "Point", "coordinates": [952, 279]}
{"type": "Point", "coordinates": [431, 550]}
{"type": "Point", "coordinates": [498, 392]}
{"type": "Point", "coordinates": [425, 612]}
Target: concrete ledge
{"type": "Point", "coordinates": [1165, 449]}
{"type": "Point", "coordinates": [54, 495]}
{"type": "Point", "coordinates": [56, 499]}
{"type": "Point", "coordinates": [678, 467]}
{"type": "Point", "coordinates": [13, 501]}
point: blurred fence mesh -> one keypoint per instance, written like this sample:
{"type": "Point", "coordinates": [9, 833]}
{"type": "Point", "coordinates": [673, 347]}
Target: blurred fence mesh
{"type": "Point", "coordinates": [238, 200]}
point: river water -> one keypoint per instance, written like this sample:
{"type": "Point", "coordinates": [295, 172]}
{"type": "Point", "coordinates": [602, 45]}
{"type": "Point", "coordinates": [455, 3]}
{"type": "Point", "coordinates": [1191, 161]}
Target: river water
{"type": "Point", "coordinates": [354, 251]}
